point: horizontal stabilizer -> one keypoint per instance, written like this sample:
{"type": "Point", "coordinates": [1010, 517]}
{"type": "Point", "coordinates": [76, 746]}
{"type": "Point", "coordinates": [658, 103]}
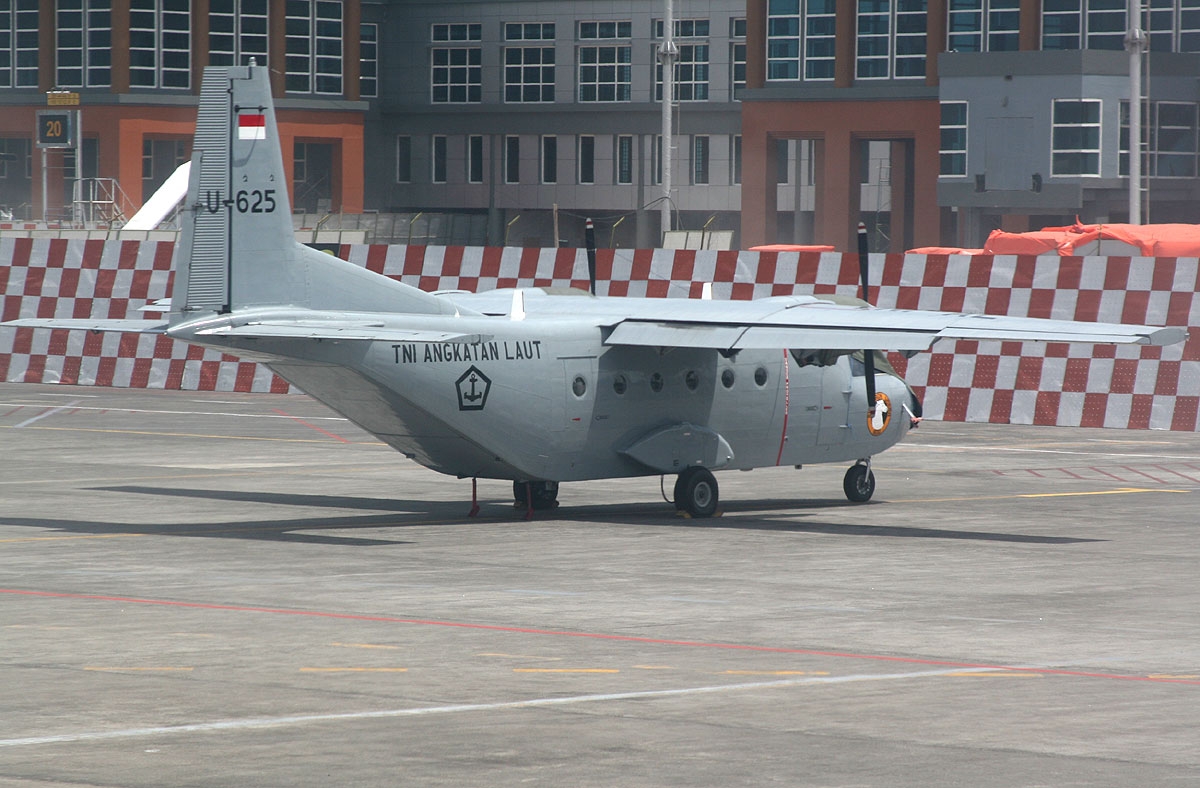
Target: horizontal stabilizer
{"type": "Point", "coordinates": [91, 324]}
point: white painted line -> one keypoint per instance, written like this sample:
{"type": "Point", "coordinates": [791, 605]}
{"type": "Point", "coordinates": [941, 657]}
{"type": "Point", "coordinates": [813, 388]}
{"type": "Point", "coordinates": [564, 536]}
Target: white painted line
{"type": "Point", "coordinates": [259, 723]}
{"type": "Point", "coordinates": [48, 413]}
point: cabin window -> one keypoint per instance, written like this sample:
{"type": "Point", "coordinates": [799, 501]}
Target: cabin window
{"type": "Point", "coordinates": [579, 386]}
{"type": "Point", "coordinates": [656, 382]}
{"type": "Point", "coordinates": [760, 376]}
{"type": "Point", "coordinates": [727, 378]}
{"type": "Point", "coordinates": [692, 380]}
{"type": "Point", "coordinates": [620, 384]}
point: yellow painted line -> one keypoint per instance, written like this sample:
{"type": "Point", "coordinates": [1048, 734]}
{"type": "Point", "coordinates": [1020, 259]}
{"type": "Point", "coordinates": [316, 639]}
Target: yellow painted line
{"type": "Point", "coordinates": [565, 670]}
{"type": "Point", "coordinates": [1173, 676]}
{"type": "Point", "coordinates": [518, 656]}
{"type": "Point", "coordinates": [1003, 674]}
{"type": "Point", "coordinates": [362, 645]}
{"type": "Point", "coordinates": [353, 670]}
{"type": "Point", "coordinates": [776, 672]}
{"type": "Point", "coordinates": [125, 669]}
{"type": "Point", "coordinates": [66, 537]}
{"type": "Point", "coordinates": [1124, 491]}
{"type": "Point", "coordinates": [1014, 496]}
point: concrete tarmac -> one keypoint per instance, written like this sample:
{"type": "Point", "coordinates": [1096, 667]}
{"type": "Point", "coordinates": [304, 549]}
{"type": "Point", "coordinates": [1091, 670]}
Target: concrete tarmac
{"type": "Point", "coordinates": [204, 589]}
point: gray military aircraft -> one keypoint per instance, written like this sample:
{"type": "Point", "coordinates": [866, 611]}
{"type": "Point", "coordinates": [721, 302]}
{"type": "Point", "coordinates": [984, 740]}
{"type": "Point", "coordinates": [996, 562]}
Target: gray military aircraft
{"type": "Point", "coordinates": [531, 385]}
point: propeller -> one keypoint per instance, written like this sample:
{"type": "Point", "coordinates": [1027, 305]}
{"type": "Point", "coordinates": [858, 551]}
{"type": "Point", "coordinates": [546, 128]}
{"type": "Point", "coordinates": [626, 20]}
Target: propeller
{"type": "Point", "coordinates": [589, 241]}
{"type": "Point", "coordinates": [868, 355]}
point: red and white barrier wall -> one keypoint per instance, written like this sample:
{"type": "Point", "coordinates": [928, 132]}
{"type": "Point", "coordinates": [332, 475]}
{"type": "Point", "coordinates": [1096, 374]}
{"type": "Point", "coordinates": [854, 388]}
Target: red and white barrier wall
{"type": "Point", "coordinates": [1027, 383]}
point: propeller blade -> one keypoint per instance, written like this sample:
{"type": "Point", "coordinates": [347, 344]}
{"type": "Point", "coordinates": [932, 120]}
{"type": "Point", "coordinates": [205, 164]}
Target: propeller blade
{"type": "Point", "coordinates": [589, 241]}
{"type": "Point", "coordinates": [868, 355]}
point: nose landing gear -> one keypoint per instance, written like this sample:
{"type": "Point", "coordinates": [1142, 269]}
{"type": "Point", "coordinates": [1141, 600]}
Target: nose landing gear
{"type": "Point", "coordinates": [859, 482]}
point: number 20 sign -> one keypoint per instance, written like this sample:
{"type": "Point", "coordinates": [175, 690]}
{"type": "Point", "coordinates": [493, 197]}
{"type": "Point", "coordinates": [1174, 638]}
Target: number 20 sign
{"type": "Point", "coordinates": [56, 128]}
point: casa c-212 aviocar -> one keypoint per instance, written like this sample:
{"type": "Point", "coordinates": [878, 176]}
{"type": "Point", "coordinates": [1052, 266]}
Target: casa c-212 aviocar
{"type": "Point", "coordinates": [535, 386]}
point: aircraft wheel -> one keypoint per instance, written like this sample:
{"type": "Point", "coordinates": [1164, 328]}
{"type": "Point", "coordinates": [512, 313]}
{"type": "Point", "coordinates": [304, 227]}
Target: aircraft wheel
{"type": "Point", "coordinates": [545, 494]}
{"type": "Point", "coordinates": [859, 483]}
{"type": "Point", "coordinates": [696, 492]}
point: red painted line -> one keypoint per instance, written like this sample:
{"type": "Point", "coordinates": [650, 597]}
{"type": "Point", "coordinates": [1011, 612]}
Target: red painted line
{"type": "Point", "coordinates": [299, 420]}
{"type": "Point", "coordinates": [14, 410]}
{"type": "Point", "coordinates": [594, 636]}
{"type": "Point", "coordinates": [787, 396]}
{"type": "Point", "coordinates": [1106, 473]}
{"type": "Point", "coordinates": [1070, 473]}
{"type": "Point", "coordinates": [1143, 473]}
{"type": "Point", "coordinates": [1032, 472]}
{"type": "Point", "coordinates": [1177, 473]}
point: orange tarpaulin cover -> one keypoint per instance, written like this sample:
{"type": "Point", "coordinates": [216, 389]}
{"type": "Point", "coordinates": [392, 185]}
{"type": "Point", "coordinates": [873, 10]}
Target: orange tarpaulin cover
{"type": "Point", "coordinates": [1148, 240]}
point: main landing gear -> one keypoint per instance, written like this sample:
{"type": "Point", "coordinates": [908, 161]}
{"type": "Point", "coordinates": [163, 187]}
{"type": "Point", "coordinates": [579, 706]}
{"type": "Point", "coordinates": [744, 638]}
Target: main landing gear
{"type": "Point", "coordinates": [859, 482]}
{"type": "Point", "coordinates": [535, 495]}
{"type": "Point", "coordinates": [696, 492]}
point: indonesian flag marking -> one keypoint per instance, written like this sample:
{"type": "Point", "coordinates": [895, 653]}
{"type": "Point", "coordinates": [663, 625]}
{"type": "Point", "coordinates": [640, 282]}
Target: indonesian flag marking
{"type": "Point", "coordinates": [252, 127]}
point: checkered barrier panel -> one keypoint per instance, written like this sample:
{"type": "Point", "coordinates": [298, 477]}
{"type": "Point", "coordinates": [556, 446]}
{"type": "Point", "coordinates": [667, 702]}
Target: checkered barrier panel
{"type": "Point", "coordinates": [1027, 383]}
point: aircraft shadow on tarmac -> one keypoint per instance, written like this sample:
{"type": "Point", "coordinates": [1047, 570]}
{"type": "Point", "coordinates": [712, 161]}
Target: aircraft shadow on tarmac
{"type": "Point", "coordinates": [760, 515]}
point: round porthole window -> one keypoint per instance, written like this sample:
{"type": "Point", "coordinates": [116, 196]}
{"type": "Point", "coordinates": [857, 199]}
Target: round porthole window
{"type": "Point", "coordinates": [656, 382]}
{"type": "Point", "coordinates": [620, 384]}
{"type": "Point", "coordinates": [760, 376]}
{"type": "Point", "coordinates": [692, 380]}
{"type": "Point", "coordinates": [727, 378]}
{"type": "Point", "coordinates": [579, 386]}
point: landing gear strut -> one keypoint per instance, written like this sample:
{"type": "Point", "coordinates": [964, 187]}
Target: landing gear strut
{"type": "Point", "coordinates": [859, 482]}
{"type": "Point", "coordinates": [696, 492]}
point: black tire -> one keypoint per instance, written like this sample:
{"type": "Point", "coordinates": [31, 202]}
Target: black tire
{"type": "Point", "coordinates": [545, 494]}
{"type": "Point", "coordinates": [859, 484]}
{"type": "Point", "coordinates": [678, 496]}
{"type": "Point", "coordinates": [698, 494]}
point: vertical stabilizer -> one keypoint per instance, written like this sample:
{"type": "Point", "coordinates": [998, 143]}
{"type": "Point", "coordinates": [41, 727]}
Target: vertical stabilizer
{"type": "Point", "coordinates": [238, 249]}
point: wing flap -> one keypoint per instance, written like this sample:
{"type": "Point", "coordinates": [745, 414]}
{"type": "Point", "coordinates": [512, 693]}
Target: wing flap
{"type": "Point", "coordinates": [132, 326]}
{"type": "Point", "coordinates": [724, 337]}
{"type": "Point", "coordinates": [362, 331]}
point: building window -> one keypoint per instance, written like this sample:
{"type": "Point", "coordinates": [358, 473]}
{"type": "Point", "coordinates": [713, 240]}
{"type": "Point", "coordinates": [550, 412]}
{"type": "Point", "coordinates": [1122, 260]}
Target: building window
{"type": "Point", "coordinates": [403, 159]}
{"type": "Point", "coordinates": [735, 159]}
{"type": "Point", "coordinates": [605, 70]}
{"type": "Point", "coordinates": [368, 74]}
{"type": "Point", "coordinates": [475, 158]}
{"type": "Point", "coordinates": [299, 162]}
{"type": "Point", "coordinates": [549, 159]}
{"type": "Point", "coordinates": [783, 161]}
{"type": "Point", "coordinates": [1169, 139]}
{"type": "Point", "coordinates": [1086, 24]}
{"type": "Point", "coordinates": [147, 159]}
{"type": "Point", "coordinates": [438, 159]}
{"type": "Point", "coordinates": [237, 31]}
{"type": "Point", "coordinates": [160, 44]}
{"type": "Point", "coordinates": [890, 40]}
{"type": "Point", "coordinates": [783, 40]}
{"type": "Point", "coordinates": [1075, 137]}
{"type": "Point", "coordinates": [512, 159]}
{"type": "Point", "coordinates": [19, 44]}
{"type": "Point", "coordinates": [656, 162]}
{"type": "Point", "coordinates": [700, 159]}
{"type": "Point", "coordinates": [820, 28]}
{"type": "Point", "coordinates": [587, 159]}
{"type": "Point", "coordinates": [737, 56]}
{"type": "Point", "coordinates": [314, 47]}
{"type": "Point", "coordinates": [983, 26]}
{"type": "Point", "coordinates": [1189, 26]}
{"type": "Point", "coordinates": [691, 65]}
{"type": "Point", "coordinates": [624, 159]}
{"type": "Point", "coordinates": [952, 153]}
{"type": "Point", "coordinates": [456, 74]}
{"type": "Point", "coordinates": [873, 40]}
{"type": "Point", "coordinates": [529, 70]}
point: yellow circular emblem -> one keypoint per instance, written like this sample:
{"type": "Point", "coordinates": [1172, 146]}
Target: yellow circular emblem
{"type": "Point", "coordinates": [878, 421]}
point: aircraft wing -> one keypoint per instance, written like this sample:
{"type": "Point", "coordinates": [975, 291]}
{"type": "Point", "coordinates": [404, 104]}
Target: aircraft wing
{"type": "Point", "coordinates": [133, 326]}
{"type": "Point", "coordinates": [829, 327]}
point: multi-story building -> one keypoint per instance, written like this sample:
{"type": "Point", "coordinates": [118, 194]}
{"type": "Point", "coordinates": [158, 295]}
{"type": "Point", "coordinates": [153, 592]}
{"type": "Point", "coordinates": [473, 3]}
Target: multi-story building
{"type": "Point", "coordinates": [512, 107]}
{"type": "Point", "coordinates": [134, 66]}
{"type": "Point", "coordinates": [959, 116]}
{"type": "Point", "coordinates": [932, 120]}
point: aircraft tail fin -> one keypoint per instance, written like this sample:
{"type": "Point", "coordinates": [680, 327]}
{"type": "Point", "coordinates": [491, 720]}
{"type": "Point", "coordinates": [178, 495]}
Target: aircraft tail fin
{"type": "Point", "coordinates": [237, 249]}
